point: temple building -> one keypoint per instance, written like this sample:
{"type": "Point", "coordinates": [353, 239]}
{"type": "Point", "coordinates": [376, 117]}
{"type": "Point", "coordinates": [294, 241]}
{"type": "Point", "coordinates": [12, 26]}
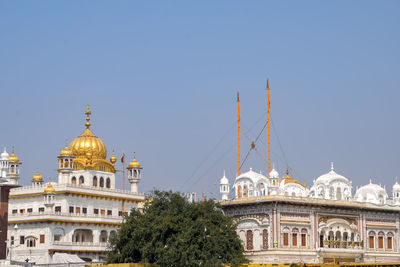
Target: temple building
{"type": "Point", "coordinates": [281, 220]}
{"type": "Point", "coordinates": [79, 213]}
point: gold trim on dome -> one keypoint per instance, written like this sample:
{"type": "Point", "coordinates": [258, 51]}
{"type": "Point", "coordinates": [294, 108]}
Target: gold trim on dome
{"type": "Point", "coordinates": [134, 163]}
{"type": "Point", "coordinates": [49, 189]}
{"type": "Point", "coordinates": [287, 179]}
{"type": "Point", "coordinates": [90, 152]}
{"type": "Point", "coordinates": [37, 177]}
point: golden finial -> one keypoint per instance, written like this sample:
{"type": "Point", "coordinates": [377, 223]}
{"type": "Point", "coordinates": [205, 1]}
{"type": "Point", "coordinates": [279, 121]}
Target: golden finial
{"type": "Point", "coordinates": [87, 112]}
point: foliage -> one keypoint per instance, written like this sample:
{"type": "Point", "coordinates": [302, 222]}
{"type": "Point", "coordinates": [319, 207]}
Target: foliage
{"type": "Point", "coordinates": [173, 232]}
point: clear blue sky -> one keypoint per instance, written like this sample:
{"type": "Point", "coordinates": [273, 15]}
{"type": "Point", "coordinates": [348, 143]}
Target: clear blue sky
{"type": "Point", "coordinates": [162, 76]}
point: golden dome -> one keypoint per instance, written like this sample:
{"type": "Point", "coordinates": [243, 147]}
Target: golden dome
{"type": "Point", "coordinates": [87, 145]}
{"type": "Point", "coordinates": [289, 179]}
{"type": "Point", "coordinates": [13, 158]}
{"type": "Point", "coordinates": [49, 189]}
{"type": "Point", "coordinates": [37, 177]}
{"type": "Point", "coordinates": [113, 159]}
{"type": "Point", "coordinates": [66, 152]}
{"type": "Point", "coordinates": [134, 163]}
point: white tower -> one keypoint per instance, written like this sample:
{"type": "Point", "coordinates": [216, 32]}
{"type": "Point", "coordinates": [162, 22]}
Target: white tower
{"type": "Point", "coordinates": [49, 197]}
{"type": "Point", "coordinates": [65, 164]}
{"type": "Point", "coordinates": [4, 164]}
{"type": "Point", "coordinates": [274, 181]}
{"type": "Point", "coordinates": [396, 193]}
{"type": "Point", "coordinates": [37, 180]}
{"type": "Point", "coordinates": [13, 170]}
{"type": "Point", "coordinates": [224, 187]}
{"type": "Point", "coordinates": [134, 174]}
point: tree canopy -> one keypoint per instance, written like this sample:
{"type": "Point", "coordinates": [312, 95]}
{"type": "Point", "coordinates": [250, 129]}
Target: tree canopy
{"type": "Point", "coordinates": [173, 232]}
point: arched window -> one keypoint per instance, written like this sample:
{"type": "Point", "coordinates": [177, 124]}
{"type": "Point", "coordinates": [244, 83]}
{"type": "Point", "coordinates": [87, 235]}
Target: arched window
{"type": "Point", "coordinates": [245, 191]}
{"type": "Point", "coordinates": [286, 237]}
{"type": "Point", "coordinates": [295, 231]}
{"type": "Point", "coordinates": [108, 183]}
{"type": "Point", "coordinates": [94, 181]}
{"type": "Point", "coordinates": [390, 241]}
{"type": "Point", "coordinates": [81, 180]}
{"type": "Point", "coordinates": [249, 240]}
{"type": "Point", "coordinates": [73, 180]}
{"type": "Point", "coordinates": [338, 193]}
{"type": "Point", "coordinates": [101, 182]}
{"type": "Point", "coordinates": [303, 237]}
{"type": "Point", "coordinates": [380, 239]}
{"type": "Point", "coordinates": [265, 239]}
{"type": "Point", "coordinates": [371, 239]}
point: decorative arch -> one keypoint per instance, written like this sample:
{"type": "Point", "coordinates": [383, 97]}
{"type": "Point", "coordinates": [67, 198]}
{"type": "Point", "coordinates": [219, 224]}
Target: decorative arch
{"type": "Point", "coordinates": [81, 180]}
{"type": "Point", "coordinates": [101, 182]}
{"type": "Point", "coordinates": [73, 180]}
{"type": "Point", "coordinates": [108, 183]}
{"type": "Point", "coordinates": [95, 181]}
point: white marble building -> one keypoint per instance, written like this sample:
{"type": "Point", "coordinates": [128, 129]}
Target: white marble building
{"type": "Point", "coordinates": [78, 213]}
{"type": "Point", "coordinates": [281, 220]}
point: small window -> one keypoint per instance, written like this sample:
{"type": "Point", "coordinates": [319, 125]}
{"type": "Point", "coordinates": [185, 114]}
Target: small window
{"type": "Point", "coordinates": [31, 242]}
{"type": "Point", "coordinates": [57, 237]}
{"type": "Point", "coordinates": [294, 239]}
{"type": "Point", "coordinates": [120, 213]}
{"type": "Point", "coordinates": [108, 183]}
{"type": "Point", "coordinates": [21, 210]}
{"type": "Point", "coordinates": [109, 212]}
{"type": "Point", "coordinates": [21, 239]}
{"type": "Point", "coordinates": [14, 211]}
{"type": "Point", "coordinates": [95, 181]}
{"type": "Point", "coordinates": [12, 241]}
{"type": "Point", "coordinates": [41, 239]}
{"type": "Point", "coordinates": [303, 240]}
{"type": "Point", "coordinates": [58, 209]}
{"type": "Point", "coordinates": [84, 210]}
{"type": "Point", "coordinates": [30, 210]}
{"type": "Point", "coordinates": [380, 242]}
{"type": "Point", "coordinates": [103, 212]}
{"type": "Point", "coordinates": [78, 210]}
{"type": "Point", "coordinates": [81, 180]}
{"type": "Point", "coordinates": [101, 182]}
{"type": "Point", "coordinates": [371, 241]}
{"type": "Point", "coordinates": [286, 239]}
{"type": "Point", "coordinates": [71, 209]}
{"type": "Point", "coordinates": [41, 209]}
{"type": "Point", "coordinates": [96, 211]}
{"type": "Point", "coordinates": [73, 180]}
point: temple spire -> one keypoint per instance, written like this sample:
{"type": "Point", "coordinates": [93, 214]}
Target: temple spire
{"type": "Point", "coordinates": [87, 113]}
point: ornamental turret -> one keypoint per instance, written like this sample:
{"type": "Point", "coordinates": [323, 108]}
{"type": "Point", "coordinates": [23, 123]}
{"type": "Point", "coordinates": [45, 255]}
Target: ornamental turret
{"type": "Point", "coordinates": [274, 181]}
{"type": "Point", "coordinates": [37, 179]}
{"type": "Point", "coordinates": [4, 164]}
{"type": "Point", "coordinates": [224, 187]}
{"type": "Point", "coordinates": [396, 193]}
{"type": "Point", "coordinates": [65, 164]}
{"type": "Point", "coordinates": [13, 171]}
{"type": "Point", "coordinates": [49, 197]}
{"type": "Point", "coordinates": [134, 174]}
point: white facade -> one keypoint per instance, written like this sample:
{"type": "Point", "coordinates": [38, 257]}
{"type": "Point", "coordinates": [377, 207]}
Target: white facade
{"type": "Point", "coordinates": [76, 215]}
{"type": "Point", "coordinates": [280, 220]}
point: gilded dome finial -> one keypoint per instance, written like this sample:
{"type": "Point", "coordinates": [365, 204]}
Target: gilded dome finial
{"type": "Point", "coordinates": [87, 113]}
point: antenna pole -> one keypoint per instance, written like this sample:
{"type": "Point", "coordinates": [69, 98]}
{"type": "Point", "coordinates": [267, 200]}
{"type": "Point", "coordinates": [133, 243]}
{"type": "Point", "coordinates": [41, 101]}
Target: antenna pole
{"type": "Point", "coordinates": [238, 124]}
{"type": "Point", "coordinates": [269, 137]}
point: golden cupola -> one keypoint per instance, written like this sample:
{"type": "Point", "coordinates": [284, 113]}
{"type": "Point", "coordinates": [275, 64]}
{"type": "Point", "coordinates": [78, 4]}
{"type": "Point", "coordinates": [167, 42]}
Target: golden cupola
{"type": "Point", "coordinates": [90, 152]}
{"type": "Point", "coordinates": [49, 189]}
{"type": "Point", "coordinates": [13, 158]}
{"type": "Point", "coordinates": [134, 163]}
{"type": "Point", "coordinates": [37, 177]}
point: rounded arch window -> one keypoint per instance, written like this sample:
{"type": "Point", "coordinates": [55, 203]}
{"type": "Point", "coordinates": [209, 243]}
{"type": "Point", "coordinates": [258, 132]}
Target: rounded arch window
{"type": "Point", "coordinates": [108, 183]}
{"type": "Point", "coordinates": [81, 180]}
{"type": "Point", "coordinates": [101, 182]}
{"type": "Point", "coordinates": [73, 180]}
{"type": "Point", "coordinates": [94, 181]}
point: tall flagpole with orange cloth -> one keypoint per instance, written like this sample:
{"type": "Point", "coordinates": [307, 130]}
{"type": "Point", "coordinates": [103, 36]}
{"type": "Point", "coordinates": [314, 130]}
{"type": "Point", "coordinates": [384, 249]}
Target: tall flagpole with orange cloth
{"type": "Point", "coordinates": [123, 178]}
{"type": "Point", "coordinates": [269, 138]}
{"type": "Point", "coordinates": [238, 126]}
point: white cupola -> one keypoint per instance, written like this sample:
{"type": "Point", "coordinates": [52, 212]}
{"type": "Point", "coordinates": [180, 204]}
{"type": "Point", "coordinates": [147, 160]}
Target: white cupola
{"type": "Point", "coordinates": [274, 181]}
{"type": "Point", "coordinates": [396, 193]}
{"type": "Point", "coordinates": [224, 187]}
{"type": "Point", "coordinates": [134, 174]}
{"type": "Point", "coordinates": [4, 164]}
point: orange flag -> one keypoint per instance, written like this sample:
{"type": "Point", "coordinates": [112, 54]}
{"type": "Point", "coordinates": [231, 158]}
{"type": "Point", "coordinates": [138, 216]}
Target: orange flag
{"type": "Point", "coordinates": [123, 158]}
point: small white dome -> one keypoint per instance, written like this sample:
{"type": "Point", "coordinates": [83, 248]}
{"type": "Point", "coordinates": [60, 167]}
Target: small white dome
{"type": "Point", "coordinates": [396, 187]}
{"type": "Point", "coordinates": [273, 174]}
{"type": "Point", "coordinates": [330, 176]}
{"type": "Point", "coordinates": [371, 193]}
{"type": "Point", "coordinates": [224, 180]}
{"type": "Point", "coordinates": [4, 155]}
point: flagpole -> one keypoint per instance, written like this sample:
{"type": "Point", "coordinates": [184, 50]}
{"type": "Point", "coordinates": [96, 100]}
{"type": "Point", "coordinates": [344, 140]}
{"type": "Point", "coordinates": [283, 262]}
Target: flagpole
{"type": "Point", "coordinates": [123, 179]}
{"type": "Point", "coordinates": [269, 138]}
{"type": "Point", "coordinates": [238, 126]}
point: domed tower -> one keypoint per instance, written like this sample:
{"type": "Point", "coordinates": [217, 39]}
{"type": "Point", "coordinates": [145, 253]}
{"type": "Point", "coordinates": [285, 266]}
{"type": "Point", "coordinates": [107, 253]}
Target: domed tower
{"type": "Point", "coordinates": [37, 179]}
{"type": "Point", "coordinates": [396, 193]}
{"type": "Point", "coordinates": [274, 182]}
{"type": "Point", "coordinates": [224, 187]}
{"type": "Point", "coordinates": [4, 164]}
{"type": "Point", "coordinates": [134, 174]}
{"type": "Point", "coordinates": [65, 164]}
{"type": "Point", "coordinates": [13, 173]}
{"type": "Point", "coordinates": [49, 197]}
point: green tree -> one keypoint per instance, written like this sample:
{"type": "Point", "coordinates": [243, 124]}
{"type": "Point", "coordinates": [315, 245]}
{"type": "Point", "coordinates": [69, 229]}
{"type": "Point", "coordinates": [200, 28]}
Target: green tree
{"type": "Point", "coordinates": [173, 232]}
